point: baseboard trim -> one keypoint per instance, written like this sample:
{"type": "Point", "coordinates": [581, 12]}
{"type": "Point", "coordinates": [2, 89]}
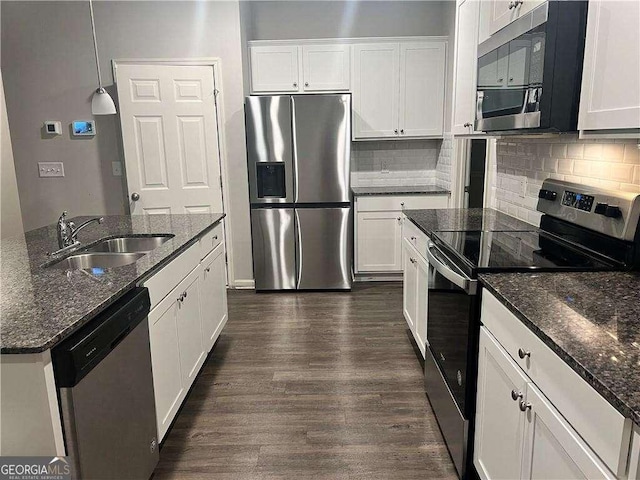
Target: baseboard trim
{"type": "Point", "coordinates": [379, 278]}
{"type": "Point", "coordinates": [243, 284]}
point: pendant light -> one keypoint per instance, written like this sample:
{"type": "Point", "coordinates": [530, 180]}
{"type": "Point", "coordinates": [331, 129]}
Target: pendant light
{"type": "Point", "coordinates": [101, 103]}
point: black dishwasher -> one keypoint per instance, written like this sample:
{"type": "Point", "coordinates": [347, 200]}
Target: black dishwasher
{"type": "Point", "coordinates": [104, 379]}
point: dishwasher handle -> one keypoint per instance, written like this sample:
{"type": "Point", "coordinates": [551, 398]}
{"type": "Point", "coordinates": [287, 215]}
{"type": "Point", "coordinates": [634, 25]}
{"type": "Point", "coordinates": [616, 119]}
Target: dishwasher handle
{"type": "Point", "coordinates": [77, 355]}
{"type": "Point", "coordinates": [438, 261]}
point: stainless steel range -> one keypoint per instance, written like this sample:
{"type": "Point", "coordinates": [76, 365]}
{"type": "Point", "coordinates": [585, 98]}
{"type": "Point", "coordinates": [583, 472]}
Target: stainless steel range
{"type": "Point", "coordinates": [583, 229]}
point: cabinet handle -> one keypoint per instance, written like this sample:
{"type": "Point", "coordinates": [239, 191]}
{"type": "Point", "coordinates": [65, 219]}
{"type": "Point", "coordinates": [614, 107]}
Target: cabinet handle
{"type": "Point", "coordinates": [215, 237]}
{"type": "Point", "coordinates": [515, 395]}
{"type": "Point", "coordinates": [208, 269]}
{"type": "Point", "coordinates": [413, 239]}
{"type": "Point", "coordinates": [306, 84]}
{"type": "Point", "coordinates": [395, 131]}
{"type": "Point", "coordinates": [524, 406]}
{"type": "Point", "coordinates": [467, 124]}
{"type": "Point", "coordinates": [399, 219]}
{"type": "Point", "coordinates": [402, 131]}
{"type": "Point", "coordinates": [295, 84]}
{"type": "Point", "coordinates": [412, 260]}
{"type": "Point", "coordinates": [500, 80]}
{"type": "Point", "coordinates": [524, 353]}
{"type": "Point", "coordinates": [181, 298]}
{"type": "Point", "coordinates": [402, 204]}
{"type": "Point", "coordinates": [185, 294]}
{"type": "Point", "coordinates": [511, 79]}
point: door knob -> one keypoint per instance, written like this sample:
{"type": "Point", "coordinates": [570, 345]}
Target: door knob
{"type": "Point", "coordinates": [395, 131]}
{"type": "Point", "coordinates": [515, 395]}
{"type": "Point", "coordinates": [135, 196]}
{"type": "Point", "coordinates": [524, 406]}
{"type": "Point", "coordinates": [523, 353]}
{"type": "Point", "coordinates": [402, 131]}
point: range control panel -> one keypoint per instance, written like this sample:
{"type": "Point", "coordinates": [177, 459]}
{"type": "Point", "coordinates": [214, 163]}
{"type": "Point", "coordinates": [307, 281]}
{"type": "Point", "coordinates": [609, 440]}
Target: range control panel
{"type": "Point", "coordinates": [580, 201]}
{"type": "Point", "coordinates": [611, 212]}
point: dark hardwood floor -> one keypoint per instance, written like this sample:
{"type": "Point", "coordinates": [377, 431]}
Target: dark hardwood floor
{"type": "Point", "coordinates": [309, 385]}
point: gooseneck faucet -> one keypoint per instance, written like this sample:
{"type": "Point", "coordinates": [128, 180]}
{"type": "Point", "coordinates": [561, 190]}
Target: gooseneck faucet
{"type": "Point", "coordinates": [68, 232]}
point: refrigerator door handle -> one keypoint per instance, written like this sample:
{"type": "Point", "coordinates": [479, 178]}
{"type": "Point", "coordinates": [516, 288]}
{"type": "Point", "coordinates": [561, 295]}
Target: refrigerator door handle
{"type": "Point", "coordinates": [296, 228]}
{"type": "Point", "coordinates": [294, 153]}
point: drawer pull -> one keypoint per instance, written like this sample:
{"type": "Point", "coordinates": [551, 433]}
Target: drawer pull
{"type": "Point", "coordinates": [524, 406]}
{"type": "Point", "coordinates": [524, 353]}
{"type": "Point", "coordinates": [208, 269]}
{"type": "Point", "coordinates": [215, 237]}
{"type": "Point", "coordinates": [412, 260]}
{"type": "Point", "coordinates": [515, 395]}
{"type": "Point", "coordinates": [413, 239]}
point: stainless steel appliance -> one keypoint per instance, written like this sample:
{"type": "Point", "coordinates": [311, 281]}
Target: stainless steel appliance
{"type": "Point", "coordinates": [103, 373]}
{"type": "Point", "coordinates": [583, 229]}
{"type": "Point", "coordinates": [530, 72]}
{"type": "Point", "coordinates": [298, 152]}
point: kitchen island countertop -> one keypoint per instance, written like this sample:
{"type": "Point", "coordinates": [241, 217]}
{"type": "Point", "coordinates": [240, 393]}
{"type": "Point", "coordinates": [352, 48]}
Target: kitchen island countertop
{"type": "Point", "coordinates": [591, 320]}
{"type": "Point", "coordinates": [40, 306]}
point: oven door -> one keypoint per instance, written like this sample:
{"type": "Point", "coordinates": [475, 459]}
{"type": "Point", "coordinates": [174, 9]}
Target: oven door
{"type": "Point", "coordinates": [449, 371]}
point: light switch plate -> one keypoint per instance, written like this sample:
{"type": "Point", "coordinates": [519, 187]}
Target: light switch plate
{"type": "Point", "coordinates": [116, 169]}
{"type": "Point", "coordinates": [51, 169]}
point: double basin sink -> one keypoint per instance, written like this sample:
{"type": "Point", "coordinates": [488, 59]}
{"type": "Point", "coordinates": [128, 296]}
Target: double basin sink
{"type": "Point", "coordinates": [112, 252]}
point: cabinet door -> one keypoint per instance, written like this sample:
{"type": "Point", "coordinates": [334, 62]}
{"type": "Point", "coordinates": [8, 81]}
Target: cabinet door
{"type": "Point", "coordinates": [375, 90]}
{"type": "Point", "coordinates": [610, 95]}
{"type": "Point", "coordinates": [503, 12]}
{"type": "Point", "coordinates": [500, 423]}
{"type": "Point", "coordinates": [422, 76]}
{"type": "Point", "coordinates": [165, 360]}
{"type": "Point", "coordinates": [552, 448]}
{"type": "Point", "coordinates": [274, 69]}
{"type": "Point", "coordinates": [192, 353]}
{"type": "Point", "coordinates": [379, 242]}
{"type": "Point", "coordinates": [409, 284]}
{"type": "Point", "coordinates": [214, 296]}
{"type": "Point", "coordinates": [466, 59]}
{"type": "Point", "coordinates": [325, 67]}
{"type": "Point", "coordinates": [422, 284]}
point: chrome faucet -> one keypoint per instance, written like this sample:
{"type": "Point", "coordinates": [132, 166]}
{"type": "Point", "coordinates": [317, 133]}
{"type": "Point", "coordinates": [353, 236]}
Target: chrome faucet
{"type": "Point", "coordinates": [68, 232]}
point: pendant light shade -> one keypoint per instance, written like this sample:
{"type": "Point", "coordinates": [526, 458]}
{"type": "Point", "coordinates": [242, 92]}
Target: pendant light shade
{"type": "Point", "coordinates": [101, 103]}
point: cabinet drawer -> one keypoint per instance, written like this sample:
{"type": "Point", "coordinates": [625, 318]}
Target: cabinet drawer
{"type": "Point", "coordinates": [166, 279]}
{"type": "Point", "coordinates": [210, 240]}
{"type": "Point", "coordinates": [415, 236]}
{"type": "Point", "coordinates": [606, 431]}
{"type": "Point", "coordinates": [385, 203]}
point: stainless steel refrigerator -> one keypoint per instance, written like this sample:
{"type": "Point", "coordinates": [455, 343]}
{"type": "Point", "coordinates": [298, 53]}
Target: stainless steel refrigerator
{"type": "Point", "coordinates": [299, 152]}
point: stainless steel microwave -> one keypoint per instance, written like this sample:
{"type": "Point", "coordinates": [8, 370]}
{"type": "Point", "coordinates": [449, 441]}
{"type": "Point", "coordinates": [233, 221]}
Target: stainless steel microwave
{"type": "Point", "coordinates": [530, 72]}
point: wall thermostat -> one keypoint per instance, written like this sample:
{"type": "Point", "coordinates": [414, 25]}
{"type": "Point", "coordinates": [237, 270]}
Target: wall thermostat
{"type": "Point", "coordinates": [83, 128]}
{"type": "Point", "coordinates": [53, 127]}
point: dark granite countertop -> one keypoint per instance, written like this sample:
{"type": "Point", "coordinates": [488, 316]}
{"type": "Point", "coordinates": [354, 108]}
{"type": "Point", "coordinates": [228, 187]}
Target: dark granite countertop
{"type": "Point", "coordinates": [453, 219]}
{"type": "Point", "coordinates": [400, 190]}
{"type": "Point", "coordinates": [591, 320]}
{"type": "Point", "coordinates": [40, 306]}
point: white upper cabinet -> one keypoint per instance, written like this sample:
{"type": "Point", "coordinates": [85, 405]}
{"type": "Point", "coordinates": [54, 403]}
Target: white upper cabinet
{"type": "Point", "coordinates": [465, 67]}
{"type": "Point", "coordinates": [375, 90]}
{"type": "Point", "coordinates": [502, 12]}
{"type": "Point", "coordinates": [398, 89]}
{"type": "Point", "coordinates": [274, 68]}
{"type": "Point", "coordinates": [610, 96]}
{"type": "Point", "coordinates": [422, 87]}
{"type": "Point", "coordinates": [325, 68]}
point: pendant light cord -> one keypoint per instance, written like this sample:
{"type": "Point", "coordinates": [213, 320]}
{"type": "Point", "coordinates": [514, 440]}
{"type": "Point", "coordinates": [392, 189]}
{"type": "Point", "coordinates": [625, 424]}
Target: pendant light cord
{"type": "Point", "coordinates": [95, 44]}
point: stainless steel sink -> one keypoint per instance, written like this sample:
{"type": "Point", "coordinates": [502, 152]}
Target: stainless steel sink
{"type": "Point", "coordinates": [83, 261]}
{"type": "Point", "coordinates": [130, 244]}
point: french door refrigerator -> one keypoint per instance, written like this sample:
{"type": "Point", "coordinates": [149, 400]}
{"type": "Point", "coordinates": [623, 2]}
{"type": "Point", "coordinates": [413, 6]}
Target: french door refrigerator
{"type": "Point", "coordinates": [298, 152]}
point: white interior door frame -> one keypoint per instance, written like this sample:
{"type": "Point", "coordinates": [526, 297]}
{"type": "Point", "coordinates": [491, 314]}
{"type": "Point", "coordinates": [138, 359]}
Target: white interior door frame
{"type": "Point", "coordinates": [215, 63]}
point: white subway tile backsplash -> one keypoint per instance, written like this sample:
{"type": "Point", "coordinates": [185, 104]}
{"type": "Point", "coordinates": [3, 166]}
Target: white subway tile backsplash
{"type": "Point", "coordinates": [604, 163]}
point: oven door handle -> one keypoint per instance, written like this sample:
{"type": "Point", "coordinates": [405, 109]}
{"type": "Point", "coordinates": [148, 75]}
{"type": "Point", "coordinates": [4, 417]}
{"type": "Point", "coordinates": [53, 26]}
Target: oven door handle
{"type": "Point", "coordinates": [435, 258]}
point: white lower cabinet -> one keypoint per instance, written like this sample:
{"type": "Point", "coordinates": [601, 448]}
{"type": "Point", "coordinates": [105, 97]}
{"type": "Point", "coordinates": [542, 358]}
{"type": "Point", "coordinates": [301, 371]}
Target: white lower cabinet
{"type": "Point", "coordinates": [499, 431]}
{"type": "Point", "coordinates": [415, 275]}
{"type": "Point", "coordinates": [379, 242]}
{"type": "Point", "coordinates": [214, 296]}
{"type": "Point", "coordinates": [185, 322]}
{"type": "Point", "coordinates": [519, 433]}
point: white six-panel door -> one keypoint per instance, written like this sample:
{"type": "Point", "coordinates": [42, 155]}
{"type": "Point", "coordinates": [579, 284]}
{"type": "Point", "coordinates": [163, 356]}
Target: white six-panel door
{"type": "Point", "coordinates": [170, 138]}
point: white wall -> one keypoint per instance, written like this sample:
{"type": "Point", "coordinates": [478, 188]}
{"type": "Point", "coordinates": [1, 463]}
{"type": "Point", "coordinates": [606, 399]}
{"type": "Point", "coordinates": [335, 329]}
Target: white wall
{"type": "Point", "coordinates": [49, 72]}
{"type": "Point", "coordinates": [614, 165]}
{"type": "Point", "coordinates": [10, 214]}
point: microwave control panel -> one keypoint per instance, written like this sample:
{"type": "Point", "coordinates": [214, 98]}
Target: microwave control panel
{"type": "Point", "coordinates": [578, 200]}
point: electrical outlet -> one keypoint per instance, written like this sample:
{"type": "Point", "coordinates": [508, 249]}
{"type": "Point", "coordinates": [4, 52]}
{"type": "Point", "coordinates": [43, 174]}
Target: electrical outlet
{"type": "Point", "coordinates": [116, 169]}
{"type": "Point", "coordinates": [51, 169]}
{"type": "Point", "coordinates": [384, 168]}
{"type": "Point", "coordinates": [522, 187]}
